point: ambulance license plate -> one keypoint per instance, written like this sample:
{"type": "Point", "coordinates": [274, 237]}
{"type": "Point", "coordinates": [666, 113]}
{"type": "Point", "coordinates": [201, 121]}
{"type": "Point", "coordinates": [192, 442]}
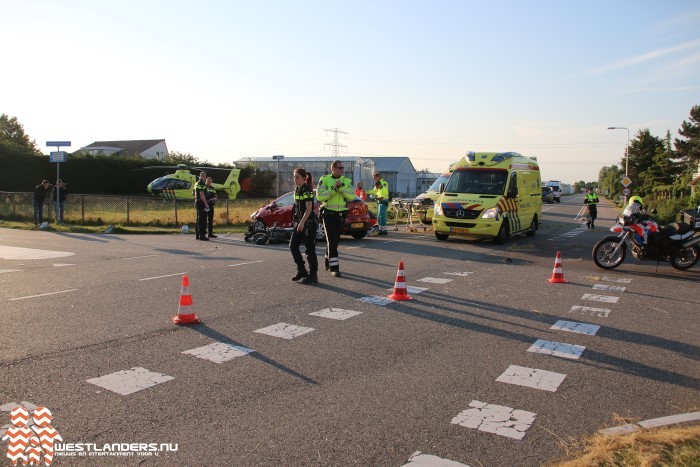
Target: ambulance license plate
{"type": "Point", "coordinates": [357, 225]}
{"type": "Point", "coordinates": [458, 230]}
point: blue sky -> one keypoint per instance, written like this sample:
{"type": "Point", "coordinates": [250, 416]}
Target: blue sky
{"type": "Point", "coordinates": [425, 79]}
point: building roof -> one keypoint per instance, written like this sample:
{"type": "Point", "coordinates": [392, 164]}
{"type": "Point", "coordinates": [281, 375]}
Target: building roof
{"type": "Point", "coordinates": [303, 159]}
{"type": "Point", "coordinates": [432, 175]}
{"type": "Point", "coordinates": [390, 164]}
{"type": "Point", "coordinates": [128, 147]}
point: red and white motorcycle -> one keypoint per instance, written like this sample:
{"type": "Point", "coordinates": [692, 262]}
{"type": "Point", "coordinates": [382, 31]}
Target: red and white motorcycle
{"type": "Point", "coordinates": [677, 243]}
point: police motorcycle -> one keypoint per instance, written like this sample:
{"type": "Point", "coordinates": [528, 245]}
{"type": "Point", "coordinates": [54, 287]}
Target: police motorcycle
{"type": "Point", "coordinates": [677, 243]}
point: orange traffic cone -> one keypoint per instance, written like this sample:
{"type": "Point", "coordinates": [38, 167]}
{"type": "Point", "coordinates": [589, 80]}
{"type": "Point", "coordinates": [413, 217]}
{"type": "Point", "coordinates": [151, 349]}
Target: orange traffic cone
{"type": "Point", "coordinates": [558, 272]}
{"type": "Point", "coordinates": [184, 314]}
{"type": "Point", "coordinates": [400, 292]}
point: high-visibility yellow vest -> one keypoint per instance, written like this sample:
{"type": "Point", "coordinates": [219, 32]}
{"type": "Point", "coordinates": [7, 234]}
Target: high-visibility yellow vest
{"type": "Point", "coordinates": [381, 193]}
{"type": "Point", "coordinates": [335, 200]}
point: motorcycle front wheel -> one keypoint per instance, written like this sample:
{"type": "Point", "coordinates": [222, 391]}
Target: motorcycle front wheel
{"type": "Point", "coordinates": [685, 258]}
{"type": "Point", "coordinates": [604, 252]}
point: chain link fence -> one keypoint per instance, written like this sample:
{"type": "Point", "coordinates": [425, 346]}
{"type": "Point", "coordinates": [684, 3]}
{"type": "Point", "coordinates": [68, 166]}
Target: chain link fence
{"type": "Point", "coordinates": [126, 210]}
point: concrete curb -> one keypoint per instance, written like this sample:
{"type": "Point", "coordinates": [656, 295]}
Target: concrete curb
{"type": "Point", "coordinates": [652, 423]}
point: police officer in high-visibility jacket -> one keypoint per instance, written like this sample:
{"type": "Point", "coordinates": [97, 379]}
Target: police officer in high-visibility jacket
{"type": "Point", "coordinates": [381, 194]}
{"type": "Point", "coordinates": [591, 200]}
{"type": "Point", "coordinates": [334, 191]}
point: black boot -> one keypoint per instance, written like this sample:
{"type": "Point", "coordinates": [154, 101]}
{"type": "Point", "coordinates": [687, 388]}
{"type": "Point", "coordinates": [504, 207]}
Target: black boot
{"type": "Point", "coordinates": [301, 273]}
{"type": "Point", "coordinates": [312, 278]}
{"type": "Point", "coordinates": [211, 235]}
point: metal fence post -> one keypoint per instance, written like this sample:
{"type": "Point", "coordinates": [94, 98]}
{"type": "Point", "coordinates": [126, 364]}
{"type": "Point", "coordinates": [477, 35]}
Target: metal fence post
{"type": "Point", "coordinates": [82, 207]}
{"type": "Point", "coordinates": [127, 210]}
{"type": "Point", "coordinates": [227, 218]}
{"type": "Point", "coordinates": [175, 204]}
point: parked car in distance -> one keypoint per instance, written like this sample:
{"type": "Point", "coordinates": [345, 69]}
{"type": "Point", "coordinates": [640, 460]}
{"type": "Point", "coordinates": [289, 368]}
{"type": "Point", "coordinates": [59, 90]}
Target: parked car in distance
{"type": "Point", "coordinates": [547, 195]}
{"type": "Point", "coordinates": [279, 213]}
{"type": "Point", "coordinates": [556, 189]}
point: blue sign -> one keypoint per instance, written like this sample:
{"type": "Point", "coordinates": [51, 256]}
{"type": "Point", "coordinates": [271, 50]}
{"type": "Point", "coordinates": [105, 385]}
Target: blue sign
{"type": "Point", "coordinates": [58, 156]}
{"type": "Point", "coordinates": [58, 143]}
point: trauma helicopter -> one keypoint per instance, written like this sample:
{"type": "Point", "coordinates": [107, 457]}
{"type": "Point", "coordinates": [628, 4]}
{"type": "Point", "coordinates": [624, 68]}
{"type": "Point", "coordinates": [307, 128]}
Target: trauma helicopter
{"type": "Point", "coordinates": [180, 185]}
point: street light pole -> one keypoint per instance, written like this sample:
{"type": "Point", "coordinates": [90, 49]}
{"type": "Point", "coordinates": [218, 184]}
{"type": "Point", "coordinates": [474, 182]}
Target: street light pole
{"type": "Point", "coordinates": [627, 151]}
{"type": "Point", "coordinates": [277, 158]}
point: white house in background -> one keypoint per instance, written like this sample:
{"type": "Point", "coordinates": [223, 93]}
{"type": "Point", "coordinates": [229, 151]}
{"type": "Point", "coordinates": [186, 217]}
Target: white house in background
{"type": "Point", "coordinates": [146, 148]}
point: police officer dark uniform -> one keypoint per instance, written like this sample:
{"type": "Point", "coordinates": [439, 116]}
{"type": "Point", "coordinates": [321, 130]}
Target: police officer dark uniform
{"type": "Point", "coordinates": [211, 201]}
{"type": "Point", "coordinates": [334, 190]}
{"type": "Point", "coordinates": [591, 200]}
{"type": "Point", "coordinates": [305, 226]}
{"type": "Point", "coordinates": [200, 203]}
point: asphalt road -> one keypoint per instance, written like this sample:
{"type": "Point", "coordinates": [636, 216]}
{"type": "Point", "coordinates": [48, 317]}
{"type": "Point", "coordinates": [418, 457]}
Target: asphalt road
{"type": "Point", "coordinates": [452, 373]}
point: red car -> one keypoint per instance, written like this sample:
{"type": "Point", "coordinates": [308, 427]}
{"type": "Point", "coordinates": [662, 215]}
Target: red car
{"type": "Point", "coordinates": [279, 214]}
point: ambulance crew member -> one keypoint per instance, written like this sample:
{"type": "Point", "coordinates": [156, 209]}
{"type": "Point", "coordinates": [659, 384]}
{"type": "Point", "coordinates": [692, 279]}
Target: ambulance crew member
{"type": "Point", "coordinates": [382, 197]}
{"type": "Point", "coordinates": [360, 192]}
{"type": "Point", "coordinates": [591, 200]}
{"type": "Point", "coordinates": [334, 190]}
{"type": "Point", "coordinates": [200, 203]}
{"type": "Point", "coordinates": [211, 201]}
{"type": "Point", "coordinates": [305, 226]}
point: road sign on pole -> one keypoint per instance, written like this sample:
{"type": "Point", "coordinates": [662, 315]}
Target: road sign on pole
{"type": "Point", "coordinates": [626, 192]}
{"type": "Point", "coordinates": [58, 156]}
{"type": "Point", "coordinates": [58, 143]}
{"type": "Point", "coordinates": [626, 181]}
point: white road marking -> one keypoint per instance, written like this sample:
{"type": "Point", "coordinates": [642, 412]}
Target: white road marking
{"type": "Point", "coordinates": [558, 349]}
{"type": "Point", "coordinates": [60, 265]}
{"type": "Point", "coordinates": [609, 288]}
{"type": "Point", "coordinates": [600, 298]}
{"type": "Point", "coordinates": [497, 419]}
{"type": "Point", "coordinates": [242, 264]}
{"type": "Point", "coordinates": [532, 378]}
{"type": "Point", "coordinates": [623, 280]}
{"type": "Point", "coordinates": [43, 294]}
{"type": "Point", "coordinates": [284, 330]}
{"type": "Point", "coordinates": [15, 252]}
{"type": "Point", "coordinates": [127, 382]}
{"type": "Point", "coordinates": [435, 280]}
{"type": "Point", "coordinates": [139, 257]}
{"type": "Point", "coordinates": [161, 277]}
{"type": "Point", "coordinates": [219, 352]}
{"type": "Point", "coordinates": [418, 459]}
{"type": "Point", "coordinates": [2, 271]}
{"type": "Point", "coordinates": [336, 313]}
{"type": "Point", "coordinates": [463, 274]}
{"type": "Point", "coordinates": [375, 300]}
{"type": "Point", "coordinates": [573, 326]}
{"type": "Point", "coordinates": [587, 310]}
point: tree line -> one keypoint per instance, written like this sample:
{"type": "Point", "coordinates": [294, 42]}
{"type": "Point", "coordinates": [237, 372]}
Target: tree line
{"type": "Point", "coordinates": [24, 167]}
{"type": "Point", "coordinates": [660, 169]}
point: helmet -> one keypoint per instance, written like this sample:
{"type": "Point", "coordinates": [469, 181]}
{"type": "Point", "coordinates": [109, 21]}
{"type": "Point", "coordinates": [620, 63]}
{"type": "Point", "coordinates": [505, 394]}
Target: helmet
{"type": "Point", "coordinates": [636, 199]}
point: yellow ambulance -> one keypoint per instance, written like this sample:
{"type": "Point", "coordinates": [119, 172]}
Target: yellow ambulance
{"type": "Point", "coordinates": [491, 195]}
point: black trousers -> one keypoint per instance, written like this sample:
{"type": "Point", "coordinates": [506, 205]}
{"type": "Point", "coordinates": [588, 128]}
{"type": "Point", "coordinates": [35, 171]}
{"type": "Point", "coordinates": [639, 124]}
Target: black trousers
{"type": "Point", "coordinates": [308, 238]}
{"type": "Point", "coordinates": [200, 227]}
{"type": "Point", "coordinates": [333, 225]}
{"type": "Point", "coordinates": [210, 220]}
{"type": "Point", "coordinates": [592, 213]}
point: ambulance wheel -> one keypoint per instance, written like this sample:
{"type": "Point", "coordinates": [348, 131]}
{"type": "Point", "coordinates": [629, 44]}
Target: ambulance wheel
{"type": "Point", "coordinates": [503, 233]}
{"type": "Point", "coordinates": [441, 236]}
{"type": "Point", "coordinates": [533, 228]}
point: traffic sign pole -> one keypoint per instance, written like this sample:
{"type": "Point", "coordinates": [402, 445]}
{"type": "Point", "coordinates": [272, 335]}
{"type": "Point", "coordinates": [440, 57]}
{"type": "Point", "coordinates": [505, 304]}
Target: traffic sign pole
{"type": "Point", "coordinates": [57, 156]}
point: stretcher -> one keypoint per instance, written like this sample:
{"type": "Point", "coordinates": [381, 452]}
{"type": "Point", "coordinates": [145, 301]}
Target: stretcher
{"type": "Point", "coordinates": [405, 209]}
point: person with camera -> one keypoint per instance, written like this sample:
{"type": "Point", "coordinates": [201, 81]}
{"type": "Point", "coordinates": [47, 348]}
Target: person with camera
{"type": "Point", "coordinates": [591, 201]}
{"type": "Point", "coordinates": [202, 207]}
{"type": "Point", "coordinates": [211, 201]}
{"type": "Point", "coordinates": [305, 226]}
{"type": "Point", "coordinates": [41, 192]}
{"type": "Point", "coordinates": [61, 200]}
{"type": "Point", "coordinates": [334, 191]}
